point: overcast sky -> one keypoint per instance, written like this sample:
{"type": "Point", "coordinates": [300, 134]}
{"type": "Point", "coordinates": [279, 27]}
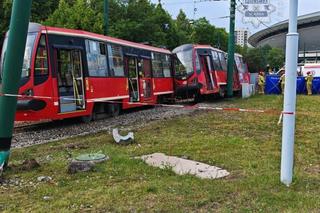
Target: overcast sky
{"type": "Point", "coordinates": [213, 11]}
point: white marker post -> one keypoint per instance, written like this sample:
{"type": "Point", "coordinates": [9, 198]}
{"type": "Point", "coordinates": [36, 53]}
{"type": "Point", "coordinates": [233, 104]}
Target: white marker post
{"type": "Point", "coordinates": [289, 107]}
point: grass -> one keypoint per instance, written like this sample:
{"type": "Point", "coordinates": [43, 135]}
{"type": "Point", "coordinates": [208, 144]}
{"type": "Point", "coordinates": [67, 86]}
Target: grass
{"type": "Point", "coordinates": [246, 144]}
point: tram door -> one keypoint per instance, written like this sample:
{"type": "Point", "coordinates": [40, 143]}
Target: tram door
{"type": "Point", "coordinates": [236, 77]}
{"type": "Point", "coordinates": [70, 80]}
{"type": "Point", "coordinates": [133, 79]}
{"type": "Point", "coordinates": [207, 69]}
{"type": "Point", "coordinates": [144, 66]}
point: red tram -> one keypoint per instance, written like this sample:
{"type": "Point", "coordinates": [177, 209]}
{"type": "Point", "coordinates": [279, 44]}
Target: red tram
{"type": "Point", "coordinates": [202, 70]}
{"type": "Point", "coordinates": [72, 73]}
{"type": "Point", "coordinates": [242, 68]}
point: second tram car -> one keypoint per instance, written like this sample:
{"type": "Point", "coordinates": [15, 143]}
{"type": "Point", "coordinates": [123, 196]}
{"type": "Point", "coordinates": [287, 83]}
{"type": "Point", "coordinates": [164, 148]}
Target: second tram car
{"type": "Point", "coordinates": [201, 70]}
{"type": "Point", "coordinates": [242, 68]}
{"type": "Point", "coordinates": [72, 73]}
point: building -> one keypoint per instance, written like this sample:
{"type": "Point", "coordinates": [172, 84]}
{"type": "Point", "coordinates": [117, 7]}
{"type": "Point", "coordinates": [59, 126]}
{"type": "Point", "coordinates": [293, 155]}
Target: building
{"type": "Point", "coordinates": [241, 37]}
{"type": "Point", "coordinates": [309, 40]}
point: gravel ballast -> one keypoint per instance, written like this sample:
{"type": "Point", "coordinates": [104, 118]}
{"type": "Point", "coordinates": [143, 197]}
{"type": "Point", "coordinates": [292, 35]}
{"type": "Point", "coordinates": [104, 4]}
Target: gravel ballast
{"type": "Point", "coordinates": [54, 131]}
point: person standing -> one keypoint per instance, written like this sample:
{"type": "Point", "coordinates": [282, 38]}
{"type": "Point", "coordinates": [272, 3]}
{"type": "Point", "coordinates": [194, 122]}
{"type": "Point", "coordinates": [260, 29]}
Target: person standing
{"type": "Point", "coordinates": [282, 80]}
{"type": "Point", "coordinates": [261, 82]}
{"type": "Point", "coordinates": [309, 79]}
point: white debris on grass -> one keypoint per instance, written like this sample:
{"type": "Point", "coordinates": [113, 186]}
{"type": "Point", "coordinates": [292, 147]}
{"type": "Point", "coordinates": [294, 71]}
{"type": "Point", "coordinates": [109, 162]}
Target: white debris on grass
{"type": "Point", "coordinates": [119, 138]}
{"type": "Point", "coordinates": [183, 167]}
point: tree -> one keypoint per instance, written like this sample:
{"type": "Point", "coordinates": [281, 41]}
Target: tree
{"type": "Point", "coordinates": [203, 32]}
{"type": "Point", "coordinates": [259, 58]}
{"type": "Point", "coordinates": [78, 16]}
{"type": "Point", "coordinates": [221, 39]}
{"type": "Point", "coordinates": [183, 28]}
{"type": "Point", "coordinates": [255, 59]}
{"type": "Point", "coordinates": [136, 20]}
{"type": "Point", "coordinates": [276, 58]}
{"type": "Point", "coordinates": [40, 11]}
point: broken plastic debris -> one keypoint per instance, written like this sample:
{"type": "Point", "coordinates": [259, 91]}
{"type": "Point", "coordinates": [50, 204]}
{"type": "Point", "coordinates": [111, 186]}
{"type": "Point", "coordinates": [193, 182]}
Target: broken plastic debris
{"type": "Point", "coordinates": [122, 139]}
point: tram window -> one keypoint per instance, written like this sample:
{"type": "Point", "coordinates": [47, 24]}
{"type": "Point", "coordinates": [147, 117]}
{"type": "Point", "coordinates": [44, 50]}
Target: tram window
{"type": "Point", "coordinates": [41, 63]}
{"type": "Point", "coordinates": [223, 61]}
{"type": "Point", "coordinates": [198, 67]}
{"type": "Point", "coordinates": [157, 68]}
{"type": "Point", "coordinates": [216, 61]}
{"type": "Point", "coordinates": [166, 66]}
{"type": "Point", "coordinates": [239, 64]}
{"type": "Point", "coordinates": [116, 60]}
{"type": "Point", "coordinates": [146, 66]}
{"type": "Point", "coordinates": [97, 59]}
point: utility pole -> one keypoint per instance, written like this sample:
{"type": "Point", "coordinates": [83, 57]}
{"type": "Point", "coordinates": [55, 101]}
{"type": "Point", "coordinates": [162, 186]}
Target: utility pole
{"type": "Point", "coordinates": [106, 17]}
{"type": "Point", "coordinates": [231, 47]}
{"type": "Point", "coordinates": [12, 73]}
{"type": "Point", "coordinates": [289, 106]}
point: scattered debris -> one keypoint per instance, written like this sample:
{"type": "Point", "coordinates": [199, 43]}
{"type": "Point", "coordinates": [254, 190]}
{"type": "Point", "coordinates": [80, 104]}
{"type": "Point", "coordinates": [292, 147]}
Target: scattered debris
{"type": "Point", "coordinates": [46, 198]}
{"type": "Point", "coordinates": [49, 158]}
{"type": "Point", "coordinates": [29, 165]}
{"type": "Point", "coordinates": [122, 139]}
{"type": "Point", "coordinates": [183, 166]}
{"type": "Point", "coordinates": [44, 178]}
{"type": "Point", "coordinates": [80, 166]}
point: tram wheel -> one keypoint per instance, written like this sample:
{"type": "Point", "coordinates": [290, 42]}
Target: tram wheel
{"type": "Point", "coordinates": [198, 97]}
{"type": "Point", "coordinates": [87, 118]}
{"type": "Point", "coordinates": [222, 92]}
{"type": "Point", "coordinates": [114, 110]}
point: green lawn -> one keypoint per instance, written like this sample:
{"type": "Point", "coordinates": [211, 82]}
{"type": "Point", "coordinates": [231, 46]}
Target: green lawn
{"type": "Point", "coordinates": [246, 144]}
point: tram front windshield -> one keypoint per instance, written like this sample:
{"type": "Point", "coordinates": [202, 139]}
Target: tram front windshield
{"type": "Point", "coordinates": [26, 59]}
{"type": "Point", "coordinates": [184, 64]}
{"type": "Point", "coordinates": [241, 65]}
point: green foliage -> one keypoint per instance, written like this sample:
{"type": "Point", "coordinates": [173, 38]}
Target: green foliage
{"type": "Point", "coordinates": [137, 20]}
{"type": "Point", "coordinates": [276, 58]}
{"type": "Point", "coordinates": [40, 11]}
{"type": "Point", "coordinates": [183, 28]}
{"type": "Point", "coordinates": [79, 15]}
{"type": "Point", "coordinates": [259, 58]}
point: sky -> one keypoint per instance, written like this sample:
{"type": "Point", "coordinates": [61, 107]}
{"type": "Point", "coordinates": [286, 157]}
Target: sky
{"type": "Point", "coordinates": [216, 11]}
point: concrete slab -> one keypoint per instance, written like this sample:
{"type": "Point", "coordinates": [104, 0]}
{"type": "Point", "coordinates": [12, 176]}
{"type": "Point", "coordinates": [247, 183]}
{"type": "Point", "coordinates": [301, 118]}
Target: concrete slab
{"type": "Point", "coordinates": [183, 166]}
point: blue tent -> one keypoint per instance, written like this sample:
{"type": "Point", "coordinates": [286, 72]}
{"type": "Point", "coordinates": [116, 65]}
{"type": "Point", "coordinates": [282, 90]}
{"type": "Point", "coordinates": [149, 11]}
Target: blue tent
{"type": "Point", "coordinates": [273, 85]}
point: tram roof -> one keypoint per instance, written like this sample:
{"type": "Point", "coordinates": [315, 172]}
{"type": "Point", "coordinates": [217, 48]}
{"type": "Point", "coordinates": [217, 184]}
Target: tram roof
{"type": "Point", "coordinates": [185, 47]}
{"type": "Point", "coordinates": [34, 27]}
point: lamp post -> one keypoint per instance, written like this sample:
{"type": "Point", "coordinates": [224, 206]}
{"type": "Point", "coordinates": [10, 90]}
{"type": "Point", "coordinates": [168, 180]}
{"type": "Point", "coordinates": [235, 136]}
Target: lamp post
{"type": "Point", "coordinates": [231, 48]}
{"type": "Point", "coordinates": [12, 73]}
{"type": "Point", "coordinates": [289, 106]}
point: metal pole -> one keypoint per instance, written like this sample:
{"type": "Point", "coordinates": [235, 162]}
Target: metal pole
{"type": "Point", "coordinates": [289, 107]}
{"type": "Point", "coordinates": [106, 17]}
{"type": "Point", "coordinates": [231, 47]}
{"type": "Point", "coordinates": [11, 73]}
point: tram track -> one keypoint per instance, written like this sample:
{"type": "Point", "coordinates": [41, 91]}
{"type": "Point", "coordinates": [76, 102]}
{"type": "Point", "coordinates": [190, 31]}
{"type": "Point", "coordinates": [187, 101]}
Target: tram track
{"type": "Point", "coordinates": [39, 133]}
{"type": "Point", "coordinates": [33, 133]}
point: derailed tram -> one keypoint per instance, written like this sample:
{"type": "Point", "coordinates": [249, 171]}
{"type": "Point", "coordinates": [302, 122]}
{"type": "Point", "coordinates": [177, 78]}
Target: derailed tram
{"type": "Point", "coordinates": [72, 73]}
{"type": "Point", "coordinates": [202, 70]}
